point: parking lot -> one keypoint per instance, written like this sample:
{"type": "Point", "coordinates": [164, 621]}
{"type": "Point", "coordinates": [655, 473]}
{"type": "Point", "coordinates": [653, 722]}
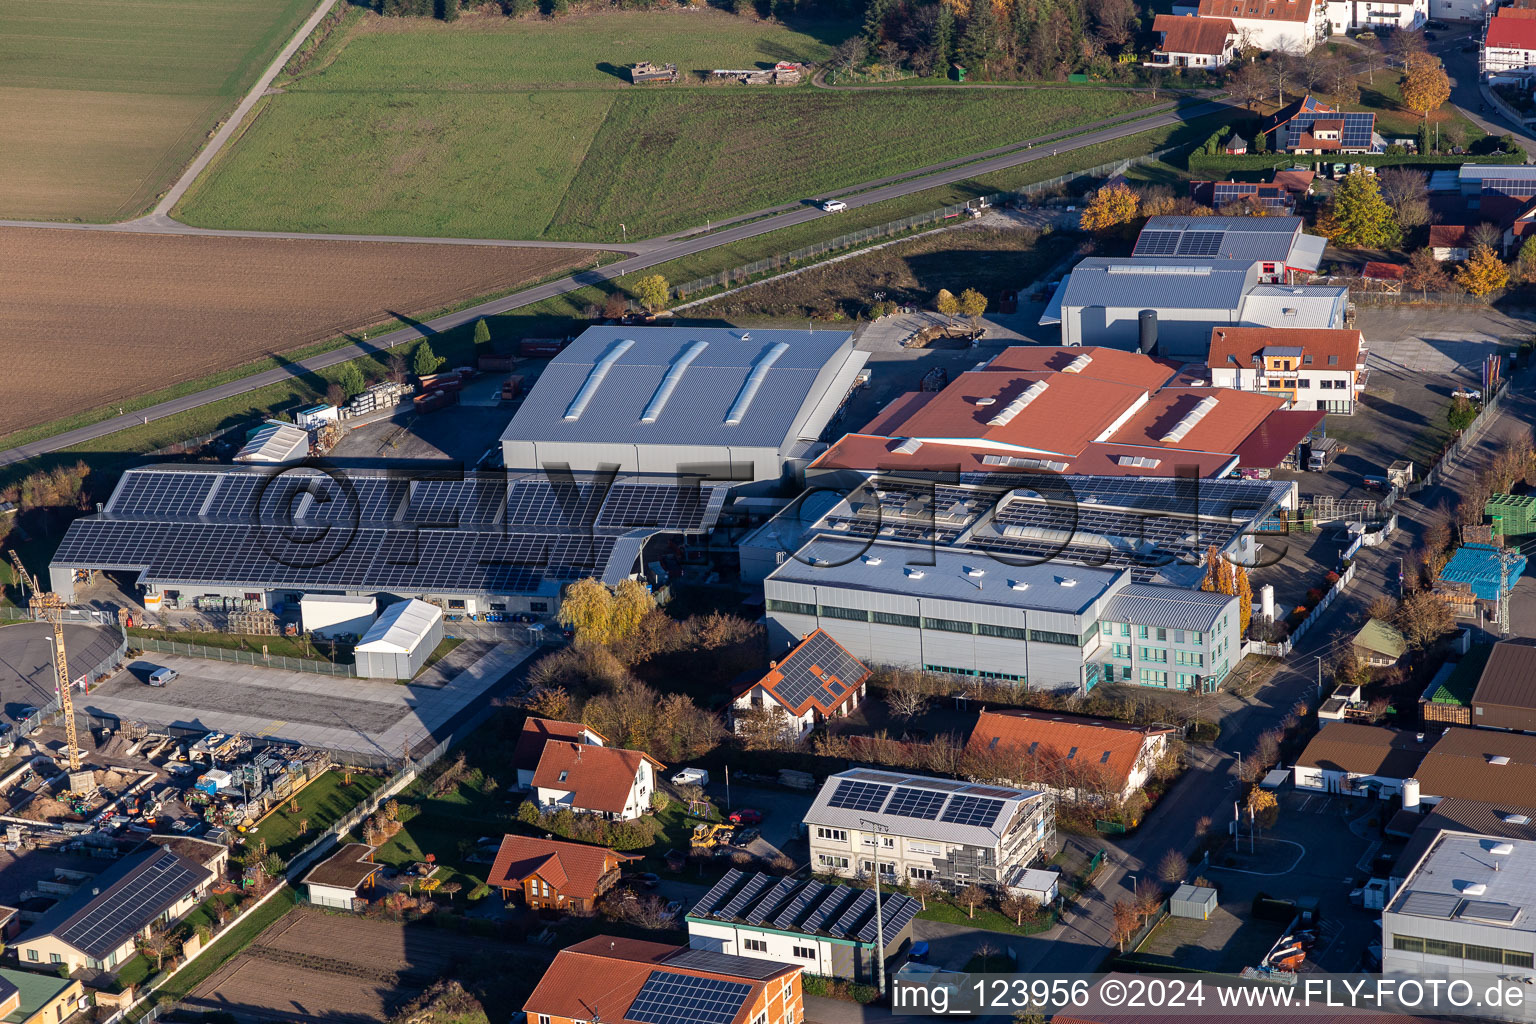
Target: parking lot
{"type": "Point", "coordinates": [373, 717]}
{"type": "Point", "coordinates": [26, 661]}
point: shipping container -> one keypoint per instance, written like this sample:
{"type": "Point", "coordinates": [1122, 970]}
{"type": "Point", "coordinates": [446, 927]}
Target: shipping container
{"type": "Point", "coordinates": [496, 362]}
{"type": "Point", "coordinates": [435, 400]}
{"type": "Point", "coordinates": [541, 348]}
{"type": "Point", "coordinates": [511, 387]}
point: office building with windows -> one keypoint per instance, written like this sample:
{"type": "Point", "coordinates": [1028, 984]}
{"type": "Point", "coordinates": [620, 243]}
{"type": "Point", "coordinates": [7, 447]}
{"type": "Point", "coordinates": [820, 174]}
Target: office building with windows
{"type": "Point", "coordinates": [1043, 625]}
{"type": "Point", "coordinates": [1466, 909]}
{"type": "Point", "coordinates": [916, 827]}
{"type": "Point", "coordinates": [1311, 369]}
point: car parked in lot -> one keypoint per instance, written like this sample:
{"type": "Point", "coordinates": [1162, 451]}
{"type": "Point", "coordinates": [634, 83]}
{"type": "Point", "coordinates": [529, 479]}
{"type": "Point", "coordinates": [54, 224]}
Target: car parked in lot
{"type": "Point", "coordinates": [161, 676]}
{"type": "Point", "coordinates": [747, 816]}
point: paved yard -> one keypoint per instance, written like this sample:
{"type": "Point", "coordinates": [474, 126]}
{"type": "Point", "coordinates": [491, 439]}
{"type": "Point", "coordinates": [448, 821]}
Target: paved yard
{"type": "Point", "coordinates": [375, 717]}
{"type": "Point", "coordinates": [26, 660]}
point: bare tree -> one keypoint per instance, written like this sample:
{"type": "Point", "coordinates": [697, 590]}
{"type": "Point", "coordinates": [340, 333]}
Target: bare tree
{"type": "Point", "coordinates": [971, 897]}
{"type": "Point", "coordinates": [1248, 85]}
{"type": "Point", "coordinates": [1486, 234]}
{"type": "Point", "coordinates": [925, 889]}
{"type": "Point", "coordinates": [1203, 826]}
{"type": "Point", "coordinates": [906, 702]}
{"type": "Point", "coordinates": [1173, 867]}
{"type": "Point", "coordinates": [1019, 906]}
{"type": "Point", "coordinates": [1400, 184]}
{"type": "Point", "coordinates": [1149, 896]}
{"type": "Point", "coordinates": [1125, 922]}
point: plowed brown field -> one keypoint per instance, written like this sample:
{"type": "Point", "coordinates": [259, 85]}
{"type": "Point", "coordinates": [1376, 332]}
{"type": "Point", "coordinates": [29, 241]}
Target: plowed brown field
{"type": "Point", "coordinates": [88, 318]}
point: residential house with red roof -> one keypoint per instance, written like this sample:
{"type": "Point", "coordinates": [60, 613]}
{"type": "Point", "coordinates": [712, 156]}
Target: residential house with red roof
{"type": "Point", "coordinates": [582, 777]}
{"type": "Point", "coordinates": [1310, 369]}
{"type": "Point", "coordinates": [817, 680]}
{"type": "Point", "coordinates": [1071, 755]}
{"type": "Point", "coordinates": [539, 731]}
{"type": "Point", "coordinates": [628, 981]}
{"type": "Point", "coordinates": [555, 875]}
{"type": "Point", "coordinates": [1291, 25]}
{"type": "Point", "coordinates": [1509, 44]}
{"type": "Point", "coordinates": [1450, 242]}
{"type": "Point", "coordinates": [1192, 42]}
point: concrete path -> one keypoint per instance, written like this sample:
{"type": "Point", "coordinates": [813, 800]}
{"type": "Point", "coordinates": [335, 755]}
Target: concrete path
{"type": "Point", "coordinates": [232, 123]}
{"type": "Point", "coordinates": [653, 257]}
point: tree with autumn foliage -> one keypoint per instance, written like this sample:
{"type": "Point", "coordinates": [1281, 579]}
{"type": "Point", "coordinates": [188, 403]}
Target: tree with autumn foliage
{"type": "Point", "coordinates": [1364, 218]}
{"type": "Point", "coordinates": [1483, 273]}
{"type": "Point", "coordinates": [1110, 207]}
{"type": "Point", "coordinates": [1425, 85]}
{"type": "Point", "coordinates": [946, 303]}
{"type": "Point", "coordinates": [1425, 273]}
{"type": "Point", "coordinates": [1223, 576]}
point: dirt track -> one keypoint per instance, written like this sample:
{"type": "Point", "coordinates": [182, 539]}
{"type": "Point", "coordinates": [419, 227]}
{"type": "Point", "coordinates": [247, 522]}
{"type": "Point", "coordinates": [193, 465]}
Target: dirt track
{"type": "Point", "coordinates": [88, 318]}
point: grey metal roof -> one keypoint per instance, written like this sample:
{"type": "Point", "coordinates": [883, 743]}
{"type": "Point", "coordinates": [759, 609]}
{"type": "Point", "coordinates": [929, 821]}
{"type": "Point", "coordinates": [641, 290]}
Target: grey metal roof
{"type": "Point", "coordinates": [1307, 253]}
{"type": "Point", "coordinates": [1158, 283]}
{"type": "Point", "coordinates": [683, 386]}
{"type": "Point", "coordinates": [1294, 306]}
{"type": "Point", "coordinates": [952, 574]}
{"type": "Point", "coordinates": [1166, 607]}
{"type": "Point", "coordinates": [1013, 798]}
{"type": "Point", "coordinates": [1477, 172]}
{"type": "Point", "coordinates": [1462, 878]}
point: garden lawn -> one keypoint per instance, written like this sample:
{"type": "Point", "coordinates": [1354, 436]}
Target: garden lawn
{"type": "Point", "coordinates": [321, 803]}
{"type": "Point", "coordinates": [525, 129]}
{"type": "Point", "coordinates": [277, 646]}
{"type": "Point", "coordinates": [101, 103]}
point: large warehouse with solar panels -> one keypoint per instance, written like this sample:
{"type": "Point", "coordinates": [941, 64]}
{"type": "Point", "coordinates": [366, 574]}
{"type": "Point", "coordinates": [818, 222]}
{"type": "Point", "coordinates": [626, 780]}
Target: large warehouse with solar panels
{"type": "Point", "coordinates": [728, 403]}
{"type": "Point", "coordinates": [263, 537]}
{"type": "Point", "coordinates": [953, 833]}
{"type": "Point", "coordinates": [828, 929]}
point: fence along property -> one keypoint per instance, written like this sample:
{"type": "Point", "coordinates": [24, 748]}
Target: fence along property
{"type": "Point", "coordinates": [854, 239]}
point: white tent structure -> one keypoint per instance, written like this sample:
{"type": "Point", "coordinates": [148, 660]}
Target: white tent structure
{"type": "Point", "coordinates": [399, 643]}
{"type": "Point", "coordinates": [275, 441]}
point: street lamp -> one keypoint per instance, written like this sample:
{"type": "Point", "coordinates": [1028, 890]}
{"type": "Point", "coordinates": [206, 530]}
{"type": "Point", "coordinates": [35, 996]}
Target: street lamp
{"type": "Point", "coordinates": [879, 829]}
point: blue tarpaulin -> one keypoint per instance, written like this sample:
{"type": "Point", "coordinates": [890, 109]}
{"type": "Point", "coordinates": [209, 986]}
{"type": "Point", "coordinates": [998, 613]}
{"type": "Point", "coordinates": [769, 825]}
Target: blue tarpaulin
{"type": "Point", "coordinates": [1478, 565]}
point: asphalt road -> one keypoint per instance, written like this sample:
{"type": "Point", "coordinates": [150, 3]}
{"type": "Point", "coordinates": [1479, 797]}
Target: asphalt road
{"type": "Point", "coordinates": [668, 250]}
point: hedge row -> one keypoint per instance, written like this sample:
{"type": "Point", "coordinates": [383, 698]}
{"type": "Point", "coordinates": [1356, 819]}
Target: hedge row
{"type": "Point", "coordinates": [1201, 165]}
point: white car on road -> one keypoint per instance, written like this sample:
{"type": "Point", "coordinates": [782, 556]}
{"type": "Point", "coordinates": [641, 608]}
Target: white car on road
{"type": "Point", "coordinates": [834, 206]}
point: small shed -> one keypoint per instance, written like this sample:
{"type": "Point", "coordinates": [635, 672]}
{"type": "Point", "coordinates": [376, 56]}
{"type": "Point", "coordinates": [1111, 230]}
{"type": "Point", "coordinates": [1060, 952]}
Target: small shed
{"type": "Point", "coordinates": [1043, 885]}
{"type": "Point", "coordinates": [1274, 778]}
{"type": "Point", "coordinates": [399, 643]}
{"type": "Point", "coordinates": [1237, 146]}
{"type": "Point", "coordinates": [316, 416]}
{"type": "Point", "coordinates": [340, 879]}
{"type": "Point", "coordinates": [327, 615]}
{"type": "Point", "coordinates": [274, 441]}
{"type": "Point", "coordinates": [1194, 901]}
{"type": "Point", "coordinates": [1379, 644]}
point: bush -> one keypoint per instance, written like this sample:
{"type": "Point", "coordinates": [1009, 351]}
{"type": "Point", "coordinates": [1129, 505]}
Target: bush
{"type": "Point", "coordinates": [836, 988]}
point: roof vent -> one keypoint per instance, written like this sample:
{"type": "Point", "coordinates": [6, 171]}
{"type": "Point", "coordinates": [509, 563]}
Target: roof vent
{"type": "Point", "coordinates": [915, 574]}
{"type": "Point", "coordinates": [1065, 581]}
{"type": "Point", "coordinates": [1499, 759]}
{"type": "Point", "coordinates": [969, 571]}
{"type": "Point", "coordinates": [1018, 585]}
{"type": "Point", "coordinates": [984, 402]}
{"type": "Point", "coordinates": [906, 446]}
{"type": "Point", "coordinates": [1502, 849]}
{"type": "Point", "coordinates": [1016, 406]}
{"type": "Point", "coordinates": [595, 378]}
{"type": "Point", "coordinates": [1475, 889]}
{"type": "Point", "coordinates": [1077, 365]}
{"type": "Point", "coordinates": [738, 410]}
{"type": "Point", "coordinates": [1517, 819]}
{"type": "Point", "coordinates": [871, 559]}
{"type": "Point", "coordinates": [1194, 416]}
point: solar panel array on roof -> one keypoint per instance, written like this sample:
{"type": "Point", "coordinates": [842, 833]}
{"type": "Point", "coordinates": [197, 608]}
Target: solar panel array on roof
{"type": "Point", "coordinates": [805, 906]}
{"type": "Point", "coordinates": [1493, 913]}
{"type": "Point", "coordinates": [1358, 129]}
{"type": "Point", "coordinates": [716, 895]}
{"type": "Point", "coordinates": [818, 668]}
{"type": "Point", "coordinates": [772, 901]}
{"type": "Point", "coordinates": [176, 496]}
{"type": "Point", "coordinates": [859, 796]}
{"type": "Point", "coordinates": [971, 810]}
{"type": "Point", "coordinates": [915, 803]}
{"type": "Point", "coordinates": [1510, 186]}
{"type": "Point", "coordinates": [130, 905]}
{"type": "Point", "coordinates": [755, 887]}
{"type": "Point", "coordinates": [671, 998]}
{"type": "Point", "coordinates": [725, 963]}
{"type": "Point", "coordinates": [1430, 904]}
{"type": "Point", "coordinates": [836, 901]}
{"type": "Point", "coordinates": [1201, 243]}
{"type": "Point", "coordinates": [1157, 243]}
{"type": "Point", "coordinates": [451, 502]}
{"type": "Point", "coordinates": [846, 924]}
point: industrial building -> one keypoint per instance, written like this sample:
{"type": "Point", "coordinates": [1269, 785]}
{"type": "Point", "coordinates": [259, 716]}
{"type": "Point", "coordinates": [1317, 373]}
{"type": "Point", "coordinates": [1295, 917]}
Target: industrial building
{"type": "Point", "coordinates": [725, 403]}
{"type": "Point", "coordinates": [1505, 697]}
{"type": "Point", "coordinates": [1090, 411]}
{"type": "Point", "coordinates": [399, 643]}
{"type": "Point", "coordinates": [275, 441]}
{"type": "Point", "coordinates": [1280, 246]}
{"type": "Point", "coordinates": [1467, 908]}
{"type": "Point", "coordinates": [1043, 626]}
{"type": "Point", "coordinates": [952, 833]}
{"type": "Point", "coordinates": [1355, 759]}
{"type": "Point", "coordinates": [469, 543]}
{"type": "Point", "coordinates": [829, 930]}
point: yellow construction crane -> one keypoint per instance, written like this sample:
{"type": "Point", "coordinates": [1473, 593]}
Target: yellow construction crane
{"type": "Point", "coordinates": [50, 607]}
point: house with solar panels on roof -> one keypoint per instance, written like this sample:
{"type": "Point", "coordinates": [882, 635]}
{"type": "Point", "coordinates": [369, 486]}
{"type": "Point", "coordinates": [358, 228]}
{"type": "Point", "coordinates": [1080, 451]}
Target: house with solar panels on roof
{"type": "Point", "coordinates": [818, 679]}
{"type": "Point", "coordinates": [726, 403]}
{"type": "Point", "coordinates": [99, 926]}
{"type": "Point", "coordinates": [469, 543]}
{"type": "Point", "coordinates": [1312, 127]}
{"type": "Point", "coordinates": [829, 930]}
{"type": "Point", "coordinates": [917, 827]}
{"type": "Point", "coordinates": [629, 981]}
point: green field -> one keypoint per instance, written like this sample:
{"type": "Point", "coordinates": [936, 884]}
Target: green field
{"type": "Point", "coordinates": [525, 129]}
{"type": "Point", "coordinates": [102, 103]}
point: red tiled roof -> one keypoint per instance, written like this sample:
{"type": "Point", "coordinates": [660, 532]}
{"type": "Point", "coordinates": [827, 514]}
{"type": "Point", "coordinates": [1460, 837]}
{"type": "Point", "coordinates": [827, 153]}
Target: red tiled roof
{"type": "Point", "coordinates": [1295, 181]}
{"type": "Point", "coordinates": [1263, 10]}
{"type": "Point", "coordinates": [1236, 414]}
{"type": "Point", "coordinates": [1511, 33]}
{"type": "Point", "coordinates": [1277, 437]}
{"type": "Point", "coordinates": [863, 452]}
{"type": "Point", "coordinates": [536, 732]}
{"type": "Point", "coordinates": [1448, 236]}
{"type": "Point", "coordinates": [793, 660]}
{"type": "Point", "coordinates": [1243, 343]}
{"type": "Point", "coordinates": [574, 869]}
{"type": "Point", "coordinates": [598, 979]}
{"type": "Point", "coordinates": [1306, 140]}
{"type": "Point", "coordinates": [1378, 271]}
{"type": "Point", "coordinates": [896, 411]}
{"type": "Point", "coordinates": [1184, 34]}
{"type": "Point", "coordinates": [1107, 364]}
{"type": "Point", "coordinates": [1114, 745]}
{"type": "Point", "coordinates": [598, 778]}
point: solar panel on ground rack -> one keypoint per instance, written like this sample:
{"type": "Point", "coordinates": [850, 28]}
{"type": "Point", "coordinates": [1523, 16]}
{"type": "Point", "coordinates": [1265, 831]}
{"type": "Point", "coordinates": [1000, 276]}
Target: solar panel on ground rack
{"type": "Point", "coordinates": [1156, 243]}
{"type": "Point", "coordinates": [971, 810]}
{"type": "Point", "coordinates": [858, 796]}
{"type": "Point", "coordinates": [536, 502]}
{"type": "Point", "coordinates": [1201, 243]}
{"type": "Point", "coordinates": [915, 803]}
{"type": "Point", "coordinates": [668, 998]}
{"type": "Point", "coordinates": [451, 502]}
